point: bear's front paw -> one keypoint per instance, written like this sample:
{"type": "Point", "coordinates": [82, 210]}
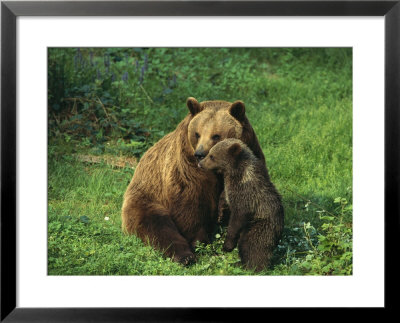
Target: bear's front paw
{"type": "Point", "coordinates": [186, 259]}
{"type": "Point", "coordinates": [229, 245]}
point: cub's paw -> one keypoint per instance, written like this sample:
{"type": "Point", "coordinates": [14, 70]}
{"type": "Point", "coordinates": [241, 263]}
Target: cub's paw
{"type": "Point", "coordinates": [229, 245]}
{"type": "Point", "coordinates": [186, 259]}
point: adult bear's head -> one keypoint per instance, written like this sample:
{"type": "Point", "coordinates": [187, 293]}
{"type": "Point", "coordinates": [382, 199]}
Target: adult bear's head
{"type": "Point", "coordinates": [213, 121]}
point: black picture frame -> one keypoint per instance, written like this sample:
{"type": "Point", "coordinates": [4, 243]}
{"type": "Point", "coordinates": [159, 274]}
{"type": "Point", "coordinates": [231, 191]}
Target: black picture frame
{"type": "Point", "coordinates": [10, 10]}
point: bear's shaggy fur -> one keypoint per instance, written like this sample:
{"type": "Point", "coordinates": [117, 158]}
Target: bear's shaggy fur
{"type": "Point", "coordinates": [170, 203]}
{"type": "Point", "coordinates": [256, 218]}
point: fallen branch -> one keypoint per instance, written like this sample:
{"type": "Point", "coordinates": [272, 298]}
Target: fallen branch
{"type": "Point", "coordinates": [120, 162]}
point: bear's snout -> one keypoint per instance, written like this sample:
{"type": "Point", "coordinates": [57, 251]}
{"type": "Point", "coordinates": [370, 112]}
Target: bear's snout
{"type": "Point", "coordinates": [199, 154]}
{"type": "Point", "coordinates": [200, 164]}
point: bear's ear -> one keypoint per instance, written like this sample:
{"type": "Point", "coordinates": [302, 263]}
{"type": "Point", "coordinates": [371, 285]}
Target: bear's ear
{"type": "Point", "coordinates": [235, 149]}
{"type": "Point", "coordinates": [237, 110]}
{"type": "Point", "coordinates": [193, 105]}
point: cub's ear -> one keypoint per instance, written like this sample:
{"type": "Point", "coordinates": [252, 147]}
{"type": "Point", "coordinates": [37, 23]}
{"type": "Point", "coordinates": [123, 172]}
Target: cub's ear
{"type": "Point", "coordinates": [235, 149]}
{"type": "Point", "coordinates": [237, 110]}
{"type": "Point", "coordinates": [193, 105]}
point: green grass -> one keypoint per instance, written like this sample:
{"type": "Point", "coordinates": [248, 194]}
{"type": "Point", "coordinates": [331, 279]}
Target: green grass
{"type": "Point", "coordinates": [299, 102]}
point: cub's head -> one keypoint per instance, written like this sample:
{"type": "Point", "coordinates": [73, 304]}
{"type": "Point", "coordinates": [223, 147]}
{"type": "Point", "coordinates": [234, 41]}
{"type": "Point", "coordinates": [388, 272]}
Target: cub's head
{"type": "Point", "coordinates": [225, 155]}
{"type": "Point", "coordinates": [212, 122]}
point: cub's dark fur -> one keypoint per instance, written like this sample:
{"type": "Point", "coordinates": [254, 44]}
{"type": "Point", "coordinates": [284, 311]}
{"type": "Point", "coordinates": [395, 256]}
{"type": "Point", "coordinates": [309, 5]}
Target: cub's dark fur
{"type": "Point", "coordinates": [256, 220]}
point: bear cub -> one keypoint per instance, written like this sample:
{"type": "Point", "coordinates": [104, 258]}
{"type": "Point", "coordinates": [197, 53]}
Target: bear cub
{"type": "Point", "coordinates": [256, 220]}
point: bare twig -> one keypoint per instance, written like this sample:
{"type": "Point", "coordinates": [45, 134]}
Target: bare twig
{"type": "Point", "coordinates": [120, 162]}
{"type": "Point", "coordinates": [145, 92]}
{"type": "Point", "coordinates": [104, 108]}
{"type": "Point", "coordinates": [57, 121]}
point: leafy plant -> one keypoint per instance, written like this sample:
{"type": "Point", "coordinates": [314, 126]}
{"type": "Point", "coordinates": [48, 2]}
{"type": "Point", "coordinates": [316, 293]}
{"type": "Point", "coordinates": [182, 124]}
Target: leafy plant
{"type": "Point", "coordinates": [329, 251]}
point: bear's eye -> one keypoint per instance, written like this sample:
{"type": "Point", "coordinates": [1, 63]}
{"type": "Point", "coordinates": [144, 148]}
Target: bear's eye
{"type": "Point", "coordinates": [211, 157]}
{"type": "Point", "coordinates": [197, 135]}
{"type": "Point", "coordinates": [216, 137]}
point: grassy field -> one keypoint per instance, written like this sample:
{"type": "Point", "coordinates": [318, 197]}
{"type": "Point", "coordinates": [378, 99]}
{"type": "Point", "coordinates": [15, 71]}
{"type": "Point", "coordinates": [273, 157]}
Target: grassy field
{"type": "Point", "coordinates": [299, 102]}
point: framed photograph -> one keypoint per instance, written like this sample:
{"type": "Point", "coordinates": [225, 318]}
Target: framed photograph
{"type": "Point", "coordinates": [90, 89]}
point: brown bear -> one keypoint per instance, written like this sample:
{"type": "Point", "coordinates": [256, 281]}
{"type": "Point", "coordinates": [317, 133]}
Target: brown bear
{"type": "Point", "coordinates": [256, 218]}
{"type": "Point", "coordinates": [170, 202]}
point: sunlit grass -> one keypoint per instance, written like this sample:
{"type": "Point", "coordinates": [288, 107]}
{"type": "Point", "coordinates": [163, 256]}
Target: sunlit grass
{"type": "Point", "coordinates": [300, 105]}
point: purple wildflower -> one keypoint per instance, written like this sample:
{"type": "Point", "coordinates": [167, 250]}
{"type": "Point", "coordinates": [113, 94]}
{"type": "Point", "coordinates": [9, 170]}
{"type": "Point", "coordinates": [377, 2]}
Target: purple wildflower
{"type": "Point", "coordinates": [141, 78]}
{"type": "Point", "coordinates": [77, 58]}
{"type": "Point", "coordinates": [91, 58]}
{"type": "Point", "coordinates": [75, 62]}
{"type": "Point", "coordinates": [80, 57]}
{"type": "Point", "coordinates": [146, 62]}
{"type": "Point", "coordinates": [107, 60]}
